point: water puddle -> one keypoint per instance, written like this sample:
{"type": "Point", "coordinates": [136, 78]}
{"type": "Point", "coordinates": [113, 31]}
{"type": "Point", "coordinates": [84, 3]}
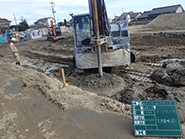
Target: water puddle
{"type": "Point", "coordinates": [2, 78]}
{"type": "Point", "coordinates": [45, 67]}
{"type": "Point", "coordinates": [94, 125]}
{"type": "Point", "coordinates": [13, 88]}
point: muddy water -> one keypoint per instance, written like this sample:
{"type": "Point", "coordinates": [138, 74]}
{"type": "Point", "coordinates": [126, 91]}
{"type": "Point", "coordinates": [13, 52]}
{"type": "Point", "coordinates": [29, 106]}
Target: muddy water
{"type": "Point", "coordinates": [13, 88]}
{"type": "Point", "coordinates": [2, 78]}
{"type": "Point", "coordinates": [100, 126]}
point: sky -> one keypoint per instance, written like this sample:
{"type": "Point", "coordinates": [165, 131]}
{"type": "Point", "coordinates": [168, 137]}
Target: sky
{"type": "Point", "coordinates": [36, 9]}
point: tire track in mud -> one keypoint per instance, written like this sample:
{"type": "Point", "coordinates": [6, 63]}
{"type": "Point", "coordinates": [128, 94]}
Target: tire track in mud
{"type": "Point", "coordinates": [64, 56]}
{"type": "Point", "coordinates": [55, 58]}
{"type": "Point", "coordinates": [66, 51]}
{"type": "Point", "coordinates": [142, 77]}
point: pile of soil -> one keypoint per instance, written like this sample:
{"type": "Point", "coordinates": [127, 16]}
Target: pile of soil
{"type": "Point", "coordinates": [173, 74]}
{"type": "Point", "coordinates": [108, 85]}
{"type": "Point", "coordinates": [168, 21]}
{"type": "Point", "coordinates": [148, 91]}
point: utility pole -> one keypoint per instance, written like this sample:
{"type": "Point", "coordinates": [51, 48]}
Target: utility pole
{"type": "Point", "coordinates": [53, 11]}
{"type": "Point", "coordinates": [15, 19]}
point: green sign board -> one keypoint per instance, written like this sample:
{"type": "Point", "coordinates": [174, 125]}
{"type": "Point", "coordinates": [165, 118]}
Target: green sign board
{"type": "Point", "coordinates": [156, 118]}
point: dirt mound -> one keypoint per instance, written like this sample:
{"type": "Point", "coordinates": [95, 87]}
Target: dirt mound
{"type": "Point", "coordinates": [66, 98]}
{"type": "Point", "coordinates": [176, 20]}
{"type": "Point", "coordinates": [142, 91]}
{"type": "Point", "coordinates": [173, 74]}
{"type": "Point", "coordinates": [108, 85]}
{"type": "Point", "coordinates": [148, 91]}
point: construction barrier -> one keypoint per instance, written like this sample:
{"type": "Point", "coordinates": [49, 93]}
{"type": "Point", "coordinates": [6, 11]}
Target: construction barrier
{"type": "Point", "coordinates": [35, 34]}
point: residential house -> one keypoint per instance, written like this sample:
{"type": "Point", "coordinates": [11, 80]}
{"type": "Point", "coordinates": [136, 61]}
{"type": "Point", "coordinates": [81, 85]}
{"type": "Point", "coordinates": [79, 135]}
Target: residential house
{"type": "Point", "coordinates": [41, 26]}
{"type": "Point", "coordinates": [33, 27]}
{"type": "Point", "coordinates": [4, 22]}
{"type": "Point", "coordinates": [44, 22]}
{"type": "Point", "coordinates": [150, 15]}
{"type": "Point", "coordinates": [119, 17]}
{"type": "Point", "coordinates": [70, 25]}
{"type": "Point", "coordinates": [144, 15]}
{"type": "Point", "coordinates": [133, 16]}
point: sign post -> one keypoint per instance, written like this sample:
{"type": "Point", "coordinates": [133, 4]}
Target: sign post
{"type": "Point", "coordinates": [156, 118]}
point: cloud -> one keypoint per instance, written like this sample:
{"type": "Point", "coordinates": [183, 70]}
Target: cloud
{"type": "Point", "coordinates": [129, 4]}
{"type": "Point", "coordinates": [26, 10]}
{"type": "Point", "coordinates": [72, 2]}
{"type": "Point", "coordinates": [35, 9]}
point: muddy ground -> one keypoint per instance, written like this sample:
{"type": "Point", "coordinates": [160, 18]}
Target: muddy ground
{"type": "Point", "coordinates": [34, 88]}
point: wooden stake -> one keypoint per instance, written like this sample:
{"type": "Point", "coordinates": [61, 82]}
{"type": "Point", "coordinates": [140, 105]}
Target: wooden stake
{"type": "Point", "coordinates": [63, 78]}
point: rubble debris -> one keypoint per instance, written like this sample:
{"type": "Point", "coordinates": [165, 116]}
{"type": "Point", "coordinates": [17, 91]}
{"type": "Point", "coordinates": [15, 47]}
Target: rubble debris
{"type": "Point", "coordinates": [173, 74]}
{"type": "Point", "coordinates": [149, 91]}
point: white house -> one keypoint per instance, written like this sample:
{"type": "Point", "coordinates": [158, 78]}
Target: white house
{"type": "Point", "coordinates": [45, 22]}
{"type": "Point", "coordinates": [4, 22]}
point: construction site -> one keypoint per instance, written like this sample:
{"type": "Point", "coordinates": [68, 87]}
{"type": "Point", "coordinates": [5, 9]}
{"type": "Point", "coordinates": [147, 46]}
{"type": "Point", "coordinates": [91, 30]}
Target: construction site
{"type": "Point", "coordinates": [94, 103]}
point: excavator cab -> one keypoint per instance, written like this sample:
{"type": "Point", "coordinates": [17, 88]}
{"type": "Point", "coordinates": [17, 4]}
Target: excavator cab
{"type": "Point", "coordinates": [82, 30]}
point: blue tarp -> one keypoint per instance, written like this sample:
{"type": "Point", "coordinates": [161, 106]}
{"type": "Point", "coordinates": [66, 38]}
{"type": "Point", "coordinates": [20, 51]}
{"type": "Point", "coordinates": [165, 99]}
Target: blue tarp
{"type": "Point", "coordinates": [2, 40]}
{"type": "Point", "coordinates": [36, 34]}
{"type": "Point", "coordinates": [7, 34]}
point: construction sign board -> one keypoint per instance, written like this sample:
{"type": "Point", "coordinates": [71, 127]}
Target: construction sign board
{"type": "Point", "coordinates": [156, 118]}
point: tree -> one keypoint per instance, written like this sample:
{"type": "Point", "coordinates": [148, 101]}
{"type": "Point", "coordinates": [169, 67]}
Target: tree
{"type": "Point", "coordinates": [23, 25]}
{"type": "Point", "coordinates": [3, 30]}
{"type": "Point", "coordinates": [14, 26]}
{"type": "Point", "coordinates": [65, 22]}
{"type": "Point", "coordinates": [24, 22]}
{"type": "Point", "coordinates": [18, 27]}
{"type": "Point", "coordinates": [61, 23]}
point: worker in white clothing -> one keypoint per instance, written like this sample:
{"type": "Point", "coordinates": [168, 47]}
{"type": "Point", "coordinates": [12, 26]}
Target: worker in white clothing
{"type": "Point", "coordinates": [14, 51]}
